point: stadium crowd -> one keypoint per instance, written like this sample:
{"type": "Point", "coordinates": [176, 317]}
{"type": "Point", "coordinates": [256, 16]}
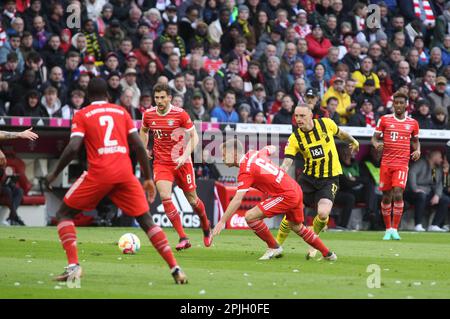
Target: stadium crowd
{"type": "Point", "coordinates": [230, 61]}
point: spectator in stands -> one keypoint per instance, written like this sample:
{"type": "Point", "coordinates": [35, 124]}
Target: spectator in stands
{"type": "Point", "coordinates": [318, 45]}
{"type": "Point", "coordinates": [40, 33]}
{"type": "Point", "coordinates": [11, 196]}
{"type": "Point", "coordinates": [178, 85]}
{"type": "Point", "coordinates": [26, 45]}
{"type": "Point", "coordinates": [71, 71]}
{"type": "Point", "coordinates": [126, 101]}
{"type": "Point", "coordinates": [244, 113]}
{"type": "Point", "coordinates": [439, 118]}
{"type": "Point", "coordinates": [226, 112]}
{"type": "Point", "coordinates": [422, 114]}
{"type": "Point", "coordinates": [417, 70]}
{"type": "Point", "coordinates": [197, 110]}
{"type": "Point", "coordinates": [275, 38]}
{"type": "Point", "coordinates": [76, 103]}
{"type": "Point", "coordinates": [173, 66]}
{"type": "Point", "coordinates": [284, 116]}
{"type": "Point", "coordinates": [114, 87]}
{"type": "Point", "coordinates": [439, 97]}
{"type": "Point", "coordinates": [425, 189]}
{"type": "Point", "coordinates": [12, 45]}
{"type": "Point", "coordinates": [171, 34]}
{"type": "Point", "coordinates": [369, 92]}
{"type": "Point", "coordinates": [207, 168]}
{"type": "Point", "coordinates": [79, 45]}
{"type": "Point", "coordinates": [145, 54]}
{"type": "Point", "coordinates": [154, 20]}
{"type": "Point", "coordinates": [10, 70]}
{"type": "Point", "coordinates": [114, 36]}
{"type": "Point", "coordinates": [56, 81]}
{"type": "Point", "coordinates": [129, 82]}
{"type": "Point", "coordinates": [56, 21]}
{"type": "Point", "coordinates": [330, 62]}
{"type": "Point", "coordinates": [273, 78]}
{"type": "Point", "coordinates": [352, 59]}
{"type": "Point", "coordinates": [318, 79]}
{"type": "Point", "coordinates": [111, 65]}
{"type": "Point", "coordinates": [147, 79]}
{"type": "Point", "coordinates": [338, 91]}
{"type": "Point", "coordinates": [308, 61]}
{"type": "Point", "coordinates": [364, 73]}
{"type": "Point", "coordinates": [51, 102]}
{"type": "Point", "coordinates": [332, 104]}
{"type": "Point", "coordinates": [386, 84]}
{"type": "Point", "coordinates": [18, 89]}
{"type": "Point", "coordinates": [218, 27]}
{"type": "Point", "coordinates": [402, 77]}
{"type": "Point", "coordinates": [258, 100]}
{"type": "Point", "coordinates": [131, 24]}
{"type": "Point", "coordinates": [436, 60]}
{"type": "Point", "coordinates": [131, 62]}
{"type": "Point", "coordinates": [30, 106]}
{"type": "Point", "coordinates": [95, 45]}
{"type": "Point", "coordinates": [365, 117]}
{"type": "Point", "coordinates": [429, 82]}
{"type": "Point", "coordinates": [125, 48]}
{"type": "Point", "coordinates": [52, 54]}
{"type": "Point", "coordinates": [210, 92]}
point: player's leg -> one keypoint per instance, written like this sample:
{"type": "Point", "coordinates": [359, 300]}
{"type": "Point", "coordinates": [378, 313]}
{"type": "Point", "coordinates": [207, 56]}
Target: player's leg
{"type": "Point", "coordinates": [159, 240]}
{"type": "Point", "coordinates": [199, 208]}
{"type": "Point", "coordinates": [324, 197]}
{"type": "Point", "coordinates": [255, 220]}
{"type": "Point", "coordinates": [164, 188]}
{"type": "Point", "coordinates": [397, 196]}
{"type": "Point", "coordinates": [283, 231]}
{"type": "Point", "coordinates": [386, 211]}
{"type": "Point", "coordinates": [311, 238]}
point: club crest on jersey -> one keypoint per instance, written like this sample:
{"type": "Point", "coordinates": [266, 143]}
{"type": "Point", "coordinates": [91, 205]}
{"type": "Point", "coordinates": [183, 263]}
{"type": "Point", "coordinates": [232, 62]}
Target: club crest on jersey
{"type": "Point", "coordinates": [170, 122]}
{"type": "Point", "coordinates": [392, 126]}
{"type": "Point", "coordinates": [407, 126]}
{"type": "Point", "coordinates": [153, 123]}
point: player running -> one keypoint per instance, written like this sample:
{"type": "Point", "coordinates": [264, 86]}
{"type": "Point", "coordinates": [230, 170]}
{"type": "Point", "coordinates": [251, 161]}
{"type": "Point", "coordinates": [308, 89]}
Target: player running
{"type": "Point", "coordinates": [285, 196]}
{"type": "Point", "coordinates": [394, 135]}
{"type": "Point", "coordinates": [172, 159]}
{"type": "Point", "coordinates": [314, 141]}
{"type": "Point", "coordinates": [107, 131]}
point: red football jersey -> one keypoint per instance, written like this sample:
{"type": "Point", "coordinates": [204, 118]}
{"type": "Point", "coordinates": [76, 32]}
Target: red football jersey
{"type": "Point", "coordinates": [105, 128]}
{"type": "Point", "coordinates": [168, 131]}
{"type": "Point", "coordinates": [397, 136]}
{"type": "Point", "coordinates": [258, 171]}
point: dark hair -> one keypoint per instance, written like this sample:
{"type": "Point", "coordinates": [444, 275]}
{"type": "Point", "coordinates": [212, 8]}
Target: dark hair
{"type": "Point", "coordinates": [331, 99]}
{"type": "Point", "coordinates": [72, 54]}
{"type": "Point", "coordinates": [162, 88]}
{"type": "Point", "coordinates": [229, 92]}
{"type": "Point", "coordinates": [97, 89]}
{"type": "Point", "coordinates": [12, 57]}
{"type": "Point", "coordinates": [400, 95]}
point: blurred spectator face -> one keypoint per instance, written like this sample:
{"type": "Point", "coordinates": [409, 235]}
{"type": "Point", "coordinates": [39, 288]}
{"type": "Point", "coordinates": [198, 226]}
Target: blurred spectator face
{"type": "Point", "coordinates": [143, 30]}
{"type": "Point", "coordinates": [430, 77]}
{"type": "Point", "coordinates": [271, 50]}
{"type": "Point", "coordinates": [382, 74]}
{"type": "Point", "coordinates": [135, 15]}
{"type": "Point", "coordinates": [262, 18]}
{"type": "Point", "coordinates": [350, 87]}
{"type": "Point", "coordinates": [424, 109]}
{"type": "Point", "coordinates": [229, 101]}
{"type": "Point", "coordinates": [54, 42]}
{"type": "Point", "coordinates": [346, 28]}
{"type": "Point", "coordinates": [130, 79]}
{"type": "Point", "coordinates": [33, 101]}
{"type": "Point", "coordinates": [89, 27]}
{"type": "Point", "coordinates": [383, 11]}
{"type": "Point", "coordinates": [12, 65]}
{"type": "Point", "coordinates": [302, 19]}
{"type": "Point", "coordinates": [112, 63]}
{"type": "Point", "coordinates": [337, 6]}
{"type": "Point", "coordinates": [302, 46]}
{"type": "Point", "coordinates": [237, 84]}
{"type": "Point", "coordinates": [38, 23]}
{"type": "Point", "coordinates": [81, 42]}
{"type": "Point", "coordinates": [174, 61]}
{"type": "Point", "coordinates": [214, 53]}
{"type": "Point", "coordinates": [413, 56]}
{"type": "Point", "coordinates": [367, 107]}
{"type": "Point", "coordinates": [131, 62]}
{"type": "Point", "coordinates": [370, 89]}
{"type": "Point", "coordinates": [190, 81]}
{"type": "Point", "coordinates": [107, 14]}
{"type": "Point", "coordinates": [18, 25]}
{"type": "Point", "coordinates": [272, 66]}
{"type": "Point", "coordinates": [197, 102]}
{"type": "Point", "coordinates": [233, 66]}
{"type": "Point", "coordinates": [339, 86]}
{"type": "Point", "coordinates": [259, 118]}
{"type": "Point", "coordinates": [240, 48]}
{"type": "Point", "coordinates": [36, 6]}
{"type": "Point", "coordinates": [126, 47]}
{"type": "Point", "coordinates": [14, 42]}
{"type": "Point", "coordinates": [333, 55]}
{"type": "Point", "coordinates": [436, 56]}
{"type": "Point", "coordinates": [291, 50]}
{"type": "Point", "coordinates": [447, 42]}
{"type": "Point", "coordinates": [375, 51]}
{"type": "Point", "coordinates": [77, 100]}
{"type": "Point", "coordinates": [317, 33]}
{"type": "Point", "coordinates": [244, 115]}
{"type": "Point", "coordinates": [27, 42]}
{"type": "Point", "coordinates": [414, 94]}
{"type": "Point", "coordinates": [114, 82]}
{"type": "Point", "coordinates": [146, 102]}
{"type": "Point", "coordinates": [243, 15]}
{"type": "Point", "coordinates": [332, 105]}
{"type": "Point", "coordinates": [147, 45]}
{"type": "Point", "coordinates": [177, 101]}
{"type": "Point", "coordinates": [224, 17]}
{"type": "Point", "coordinates": [50, 98]}
{"type": "Point", "coordinates": [163, 80]}
{"type": "Point", "coordinates": [83, 81]}
{"type": "Point", "coordinates": [287, 103]}
{"type": "Point", "coordinates": [253, 70]}
{"type": "Point", "coordinates": [436, 158]}
{"type": "Point", "coordinates": [398, 23]}
{"type": "Point", "coordinates": [299, 86]}
{"type": "Point", "coordinates": [348, 40]}
{"type": "Point", "coordinates": [367, 65]}
{"type": "Point", "coordinates": [279, 95]}
{"type": "Point", "coordinates": [291, 35]}
{"type": "Point", "coordinates": [126, 98]}
{"type": "Point", "coordinates": [418, 44]}
{"type": "Point", "coordinates": [440, 88]}
{"type": "Point", "coordinates": [172, 30]}
{"type": "Point", "coordinates": [72, 63]}
{"type": "Point", "coordinates": [234, 32]}
{"type": "Point", "coordinates": [29, 76]}
{"type": "Point", "coordinates": [10, 7]}
{"type": "Point", "coordinates": [167, 48]}
{"type": "Point", "coordinates": [332, 23]}
{"type": "Point", "coordinates": [403, 68]}
{"type": "Point", "coordinates": [180, 83]}
{"type": "Point", "coordinates": [209, 85]}
{"type": "Point", "coordinates": [56, 74]}
{"type": "Point", "coordinates": [399, 39]}
{"type": "Point", "coordinates": [396, 56]}
{"type": "Point", "coordinates": [355, 50]}
{"type": "Point", "coordinates": [319, 71]}
{"type": "Point", "coordinates": [153, 17]}
{"type": "Point", "coordinates": [260, 94]}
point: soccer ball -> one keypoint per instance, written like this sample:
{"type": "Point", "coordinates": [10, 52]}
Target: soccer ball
{"type": "Point", "coordinates": [129, 243]}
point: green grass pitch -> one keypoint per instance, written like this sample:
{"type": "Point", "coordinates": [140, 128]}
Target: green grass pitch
{"type": "Point", "coordinates": [416, 267]}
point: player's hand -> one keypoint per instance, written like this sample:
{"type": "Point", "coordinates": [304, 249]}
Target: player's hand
{"type": "Point", "coordinates": [434, 200]}
{"type": "Point", "coordinates": [218, 228]}
{"type": "Point", "coordinates": [415, 155]}
{"type": "Point", "coordinates": [3, 160]}
{"type": "Point", "coordinates": [28, 134]}
{"type": "Point", "coordinates": [378, 146]}
{"type": "Point", "coordinates": [271, 149]}
{"type": "Point", "coordinates": [180, 161]}
{"type": "Point", "coordinates": [49, 179]}
{"type": "Point", "coordinates": [354, 147]}
{"type": "Point", "coordinates": [149, 154]}
{"type": "Point", "coordinates": [149, 187]}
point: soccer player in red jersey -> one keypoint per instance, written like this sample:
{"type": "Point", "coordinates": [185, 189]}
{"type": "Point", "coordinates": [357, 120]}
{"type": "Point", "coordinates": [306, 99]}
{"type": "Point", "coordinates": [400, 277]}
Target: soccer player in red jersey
{"type": "Point", "coordinates": [285, 197]}
{"type": "Point", "coordinates": [172, 159]}
{"type": "Point", "coordinates": [394, 135]}
{"type": "Point", "coordinates": [107, 131]}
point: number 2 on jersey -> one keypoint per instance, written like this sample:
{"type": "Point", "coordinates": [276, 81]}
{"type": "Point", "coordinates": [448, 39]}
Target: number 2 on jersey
{"type": "Point", "coordinates": [109, 121]}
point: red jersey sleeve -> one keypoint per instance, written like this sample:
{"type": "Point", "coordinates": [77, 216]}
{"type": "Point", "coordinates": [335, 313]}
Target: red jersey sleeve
{"type": "Point", "coordinates": [380, 125]}
{"type": "Point", "coordinates": [186, 121]}
{"type": "Point", "coordinates": [415, 132]}
{"type": "Point", "coordinates": [78, 127]}
{"type": "Point", "coordinates": [131, 128]}
{"type": "Point", "coordinates": [245, 181]}
{"type": "Point", "coordinates": [144, 119]}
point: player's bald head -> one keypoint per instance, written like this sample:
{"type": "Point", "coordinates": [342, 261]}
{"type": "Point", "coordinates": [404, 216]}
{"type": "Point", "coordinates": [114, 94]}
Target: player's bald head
{"type": "Point", "coordinates": [97, 89]}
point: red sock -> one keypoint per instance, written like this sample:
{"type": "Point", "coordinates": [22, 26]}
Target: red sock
{"type": "Point", "coordinates": [386, 212]}
{"type": "Point", "coordinates": [262, 231]}
{"type": "Point", "coordinates": [174, 217]}
{"type": "Point", "coordinates": [68, 237]}
{"type": "Point", "coordinates": [200, 210]}
{"type": "Point", "coordinates": [310, 237]}
{"type": "Point", "coordinates": [159, 241]}
{"type": "Point", "coordinates": [398, 212]}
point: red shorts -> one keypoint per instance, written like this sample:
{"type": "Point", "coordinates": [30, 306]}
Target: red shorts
{"type": "Point", "coordinates": [184, 176]}
{"type": "Point", "coordinates": [88, 190]}
{"type": "Point", "coordinates": [290, 204]}
{"type": "Point", "coordinates": [391, 177]}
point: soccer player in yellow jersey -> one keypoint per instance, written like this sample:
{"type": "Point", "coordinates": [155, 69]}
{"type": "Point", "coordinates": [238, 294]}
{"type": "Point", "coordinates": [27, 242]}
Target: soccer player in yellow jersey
{"type": "Point", "coordinates": [314, 140]}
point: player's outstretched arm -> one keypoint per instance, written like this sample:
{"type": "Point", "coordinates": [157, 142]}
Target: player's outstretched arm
{"type": "Point", "coordinates": [69, 153]}
{"type": "Point", "coordinates": [231, 209]}
{"type": "Point", "coordinates": [27, 134]}
{"type": "Point", "coordinates": [346, 137]}
{"type": "Point", "coordinates": [135, 141]}
{"type": "Point", "coordinates": [143, 134]}
{"type": "Point", "coordinates": [377, 142]}
{"type": "Point", "coordinates": [287, 162]}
